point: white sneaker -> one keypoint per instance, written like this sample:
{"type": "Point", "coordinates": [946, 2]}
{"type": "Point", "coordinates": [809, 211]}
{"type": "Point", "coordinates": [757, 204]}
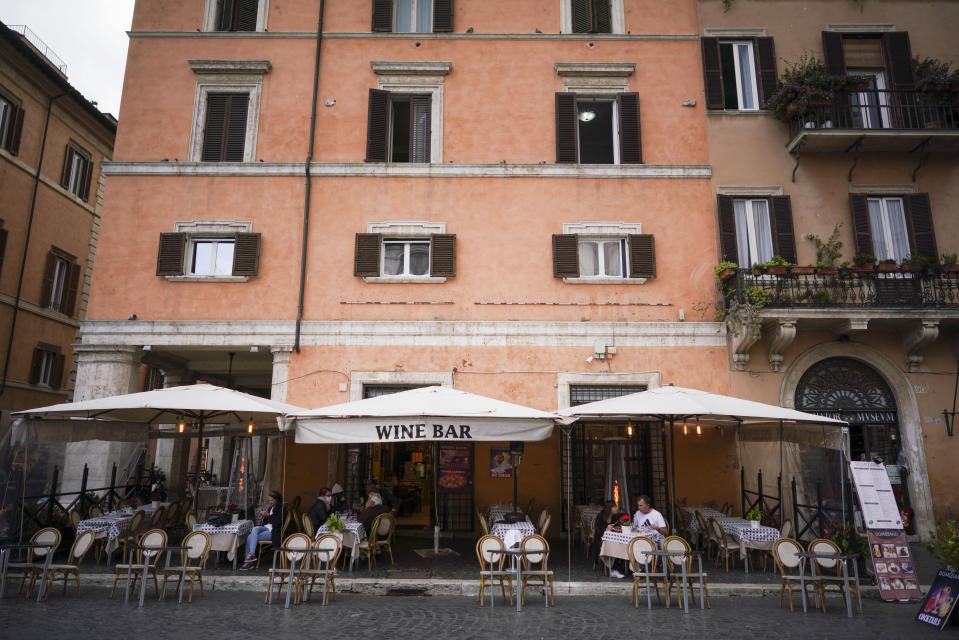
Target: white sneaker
{"type": "Point", "coordinates": [616, 574]}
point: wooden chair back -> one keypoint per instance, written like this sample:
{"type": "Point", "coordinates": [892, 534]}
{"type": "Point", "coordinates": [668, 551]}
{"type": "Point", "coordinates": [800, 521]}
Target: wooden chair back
{"type": "Point", "coordinates": [81, 544]}
{"type": "Point", "coordinates": [199, 543]}
{"type": "Point", "coordinates": [133, 527]}
{"type": "Point", "coordinates": [538, 548]}
{"type": "Point", "coordinates": [190, 520]}
{"type": "Point", "coordinates": [822, 565]}
{"type": "Point", "coordinates": [49, 536]}
{"type": "Point", "coordinates": [385, 525]}
{"type": "Point", "coordinates": [544, 529]}
{"type": "Point", "coordinates": [308, 525]}
{"type": "Point", "coordinates": [785, 552]}
{"type": "Point", "coordinates": [75, 518]}
{"type": "Point", "coordinates": [332, 547]}
{"type": "Point", "coordinates": [156, 520]}
{"type": "Point", "coordinates": [152, 538]}
{"type": "Point", "coordinates": [94, 511]}
{"type": "Point", "coordinates": [636, 550]}
{"type": "Point", "coordinates": [675, 543]}
{"type": "Point", "coordinates": [786, 529]}
{"type": "Point", "coordinates": [294, 541]}
{"type": "Point", "coordinates": [488, 560]}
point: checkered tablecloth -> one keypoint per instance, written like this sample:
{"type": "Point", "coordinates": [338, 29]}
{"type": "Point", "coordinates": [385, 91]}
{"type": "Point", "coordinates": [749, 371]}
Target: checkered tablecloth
{"type": "Point", "coordinates": [624, 538]}
{"type": "Point", "coordinates": [113, 524]}
{"type": "Point", "coordinates": [689, 516]}
{"type": "Point", "coordinates": [524, 528]}
{"type": "Point", "coordinates": [745, 532]}
{"type": "Point", "coordinates": [352, 526]}
{"type": "Point", "coordinates": [238, 528]}
{"type": "Point", "coordinates": [498, 512]}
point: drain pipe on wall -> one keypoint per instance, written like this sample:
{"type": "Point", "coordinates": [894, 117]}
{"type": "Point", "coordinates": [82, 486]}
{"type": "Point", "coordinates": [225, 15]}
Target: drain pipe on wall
{"type": "Point", "coordinates": [26, 245]}
{"type": "Point", "coordinates": [309, 180]}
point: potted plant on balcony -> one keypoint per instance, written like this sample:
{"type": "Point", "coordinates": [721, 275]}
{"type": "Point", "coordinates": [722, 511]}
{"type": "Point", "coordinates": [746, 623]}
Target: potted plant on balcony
{"type": "Point", "coordinates": [949, 264]}
{"type": "Point", "coordinates": [803, 87]}
{"type": "Point", "coordinates": [938, 87]}
{"type": "Point", "coordinates": [828, 251]}
{"type": "Point", "coordinates": [777, 266]}
{"type": "Point", "coordinates": [864, 263]}
{"type": "Point", "coordinates": [887, 266]}
{"type": "Point", "coordinates": [725, 270]}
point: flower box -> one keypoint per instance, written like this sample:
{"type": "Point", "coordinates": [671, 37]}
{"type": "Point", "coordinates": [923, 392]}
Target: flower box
{"type": "Point", "coordinates": [801, 271]}
{"type": "Point", "coordinates": [827, 271]}
{"type": "Point", "coordinates": [884, 267]}
{"type": "Point", "coordinates": [864, 268]}
{"type": "Point", "coordinates": [726, 274]}
{"type": "Point", "coordinates": [776, 270]}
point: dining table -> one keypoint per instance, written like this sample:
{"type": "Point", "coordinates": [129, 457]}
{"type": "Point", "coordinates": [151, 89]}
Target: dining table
{"type": "Point", "coordinates": [227, 537]}
{"type": "Point", "coordinates": [353, 535]}
{"type": "Point", "coordinates": [749, 536]}
{"type": "Point", "coordinates": [515, 554]}
{"type": "Point", "coordinates": [147, 552]}
{"type": "Point", "coordinates": [112, 526]}
{"type": "Point", "coordinates": [513, 533]}
{"type": "Point", "coordinates": [616, 543]}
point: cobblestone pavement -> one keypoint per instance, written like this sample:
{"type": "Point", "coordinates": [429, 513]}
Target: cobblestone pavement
{"type": "Point", "coordinates": [241, 615]}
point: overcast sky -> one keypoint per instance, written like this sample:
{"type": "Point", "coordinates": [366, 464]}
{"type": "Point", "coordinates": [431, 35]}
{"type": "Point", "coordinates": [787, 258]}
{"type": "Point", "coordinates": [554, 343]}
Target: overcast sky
{"type": "Point", "coordinates": [88, 35]}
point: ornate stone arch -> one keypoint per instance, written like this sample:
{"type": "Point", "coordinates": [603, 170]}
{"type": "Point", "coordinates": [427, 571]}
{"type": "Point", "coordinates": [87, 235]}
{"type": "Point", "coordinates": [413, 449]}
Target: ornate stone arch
{"type": "Point", "coordinates": [910, 425]}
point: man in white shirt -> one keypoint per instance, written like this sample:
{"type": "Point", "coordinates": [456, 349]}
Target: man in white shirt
{"type": "Point", "coordinates": [648, 517]}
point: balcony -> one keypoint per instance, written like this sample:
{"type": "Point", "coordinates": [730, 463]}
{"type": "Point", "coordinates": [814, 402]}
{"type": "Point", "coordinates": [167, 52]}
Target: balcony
{"type": "Point", "coordinates": [905, 301]}
{"type": "Point", "coordinates": [873, 120]}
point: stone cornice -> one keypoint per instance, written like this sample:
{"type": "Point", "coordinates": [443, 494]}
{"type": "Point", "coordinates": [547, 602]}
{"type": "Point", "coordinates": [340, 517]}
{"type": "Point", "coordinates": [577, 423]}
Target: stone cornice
{"type": "Point", "coordinates": [410, 67]}
{"type": "Point", "coordinates": [594, 69]}
{"type": "Point", "coordinates": [230, 66]}
{"type": "Point", "coordinates": [311, 35]}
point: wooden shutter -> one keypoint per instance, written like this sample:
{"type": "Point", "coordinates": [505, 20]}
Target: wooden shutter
{"type": "Point", "coordinates": [712, 73]}
{"type": "Point", "coordinates": [246, 254]}
{"type": "Point", "coordinates": [87, 178]}
{"type": "Point", "coordinates": [860, 223]}
{"type": "Point", "coordinates": [237, 108]}
{"type": "Point", "coordinates": [727, 230]}
{"type": "Point", "coordinates": [642, 256]}
{"type": "Point", "coordinates": [48, 274]}
{"type": "Point", "coordinates": [224, 14]}
{"type": "Point", "coordinates": [67, 163]}
{"type": "Point", "coordinates": [56, 371]}
{"type": "Point", "coordinates": [443, 255]}
{"type": "Point", "coordinates": [898, 55]}
{"type": "Point", "coordinates": [366, 259]}
{"type": "Point", "coordinates": [36, 364]}
{"type": "Point", "coordinates": [833, 53]}
{"type": "Point", "coordinates": [922, 236]}
{"type": "Point", "coordinates": [765, 70]}
{"type": "Point", "coordinates": [3, 246]}
{"type": "Point", "coordinates": [213, 129]}
{"type": "Point", "coordinates": [582, 14]}
{"type": "Point", "coordinates": [224, 135]}
{"type": "Point", "coordinates": [378, 126]}
{"type": "Point", "coordinates": [246, 15]}
{"type": "Point", "coordinates": [602, 20]}
{"type": "Point", "coordinates": [784, 239]}
{"type": "Point", "coordinates": [567, 128]}
{"type": "Point", "coordinates": [72, 285]}
{"type": "Point", "coordinates": [12, 143]}
{"type": "Point", "coordinates": [170, 254]}
{"type": "Point", "coordinates": [565, 256]}
{"type": "Point", "coordinates": [420, 127]}
{"type": "Point", "coordinates": [442, 16]}
{"type": "Point", "coordinates": [630, 135]}
{"type": "Point", "coordinates": [382, 15]}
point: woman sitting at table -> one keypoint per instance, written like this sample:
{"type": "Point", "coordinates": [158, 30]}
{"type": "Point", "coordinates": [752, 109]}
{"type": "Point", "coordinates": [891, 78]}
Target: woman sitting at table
{"type": "Point", "coordinates": [269, 530]}
{"type": "Point", "coordinates": [605, 520]}
{"type": "Point", "coordinates": [648, 518]}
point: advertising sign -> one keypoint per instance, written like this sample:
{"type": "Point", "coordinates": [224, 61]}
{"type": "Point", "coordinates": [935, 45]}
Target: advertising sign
{"type": "Point", "coordinates": [500, 463]}
{"type": "Point", "coordinates": [941, 600]}
{"type": "Point", "coordinates": [879, 508]}
{"type": "Point", "coordinates": [454, 467]}
{"type": "Point", "coordinates": [895, 569]}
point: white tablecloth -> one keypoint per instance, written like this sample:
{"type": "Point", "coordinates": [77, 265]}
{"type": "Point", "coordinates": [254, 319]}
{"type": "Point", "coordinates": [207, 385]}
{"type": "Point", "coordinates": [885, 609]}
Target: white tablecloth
{"type": "Point", "coordinates": [512, 534]}
{"type": "Point", "coordinates": [615, 543]}
{"type": "Point", "coordinates": [355, 534]}
{"type": "Point", "coordinates": [227, 537]}
{"type": "Point", "coordinates": [498, 512]}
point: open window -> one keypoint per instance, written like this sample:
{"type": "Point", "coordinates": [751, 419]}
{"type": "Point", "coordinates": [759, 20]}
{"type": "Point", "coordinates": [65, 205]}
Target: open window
{"type": "Point", "coordinates": [46, 368]}
{"type": "Point", "coordinates": [598, 130]}
{"type": "Point", "coordinates": [77, 171]}
{"type": "Point", "coordinates": [61, 278]}
{"type": "Point", "coordinates": [412, 16]}
{"type": "Point", "coordinates": [398, 127]}
{"type": "Point", "coordinates": [209, 251]}
{"type": "Point", "coordinates": [754, 229]}
{"type": "Point", "coordinates": [739, 73]}
{"type": "Point", "coordinates": [893, 227]}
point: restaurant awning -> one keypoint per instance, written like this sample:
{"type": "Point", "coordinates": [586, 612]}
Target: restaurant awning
{"type": "Point", "coordinates": [423, 414]}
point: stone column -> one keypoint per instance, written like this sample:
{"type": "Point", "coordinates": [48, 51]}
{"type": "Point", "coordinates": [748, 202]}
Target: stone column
{"type": "Point", "coordinates": [102, 371]}
{"type": "Point", "coordinates": [272, 457]}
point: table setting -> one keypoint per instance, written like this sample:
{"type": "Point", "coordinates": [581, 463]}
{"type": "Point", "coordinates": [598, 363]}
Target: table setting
{"type": "Point", "coordinates": [111, 525]}
{"type": "Point", "coordinates": [227, 537]}
{"type": "Point", "coordinates": [353, 535]}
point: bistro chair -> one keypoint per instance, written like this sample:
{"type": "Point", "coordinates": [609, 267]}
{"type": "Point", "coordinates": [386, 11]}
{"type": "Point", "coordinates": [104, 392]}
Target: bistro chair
{"type": "Point", "coordinates": [723, 547]}
{"type": "Point", "coordinates": [785, 531]}
{"type": "Point", "coordinates": [75, 518]}
{"type": "Point", "coordinates": [644, 570]}
{"type": "Point", "coordinates": [152, 538]}
{"type": "Point", "coordinates": [785, 552]}
{"type": "Point", "coordinates": [705, 535]}
{"type": "Point", "coordinates": [321, 565]}
{"type": "Point", "coordinates": [542, 516]}
{"type": "Point", "coordinates": [191, 562]}
{"type": "Point", "coordinates": [263, 545]}
{"type": "Point", "coordinates": [294, 509]}
{"type": "Point", "coordinates": [587, 524]}
{"type": "Point", "coordinates": [308, 525]}
{"type": "Point", "coordinates": [829, 572]}
{"type": "Point", "coordinates": [33, 567]}
{"type": "Point", "coordinates": [484, 526]}
{"type": "Point", "coordinates": [280, 575]}
{"type": "Point", "coordinates": [529, 506]}
{"type": "Point", "coordinates": [537, 556]}
{"type": "Point", "coordinates": [491, 568]}
{"type": "Point", "coordinates": [131, 534]}
{"type": "Point", "coordinates": [190, 520]}
{"type": "Point", "coordinates": [78, 550]}
{"type": "Point", "coordinates": [675, 543]}
{"type": "Point", "coordinates": [94, 511]}
{"type": "Point", "coordinates": [544, 527]}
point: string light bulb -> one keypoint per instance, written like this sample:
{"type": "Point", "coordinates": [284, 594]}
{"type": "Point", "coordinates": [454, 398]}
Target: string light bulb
{"type": "Point", "coordinates": [249, 426]}
{"type": "Point", "coordinates": [629, 429]}
{"type": "Point", "coordinates": [181, 426]}
{"type": "Point", "coordinates": [699, 428]}
{"type": "Point", "coordinates": [685, 429]}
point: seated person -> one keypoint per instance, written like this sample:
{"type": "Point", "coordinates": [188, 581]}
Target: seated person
{"type": "Point", "coordinates": [269, 530]}
{"type": "Point", "coordinates": [385, 494]}
{"type": "Point", "coordinates": [320, 510]}
{"type": "Point", "coordinates": [648, 517]}
{"type": "Point", "coordinates": [374, 507]}
{"type": "Point", "coordinates": [605, 520]}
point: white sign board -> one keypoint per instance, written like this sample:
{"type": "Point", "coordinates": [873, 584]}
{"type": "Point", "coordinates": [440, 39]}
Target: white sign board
{"type": "Point", "coordinates": [455, 429]}
{"type": "Point", "coordinates": [879, 508]}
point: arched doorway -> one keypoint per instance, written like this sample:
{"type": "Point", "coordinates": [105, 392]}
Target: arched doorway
{"type": "Point", "coordinates": [853, 391]}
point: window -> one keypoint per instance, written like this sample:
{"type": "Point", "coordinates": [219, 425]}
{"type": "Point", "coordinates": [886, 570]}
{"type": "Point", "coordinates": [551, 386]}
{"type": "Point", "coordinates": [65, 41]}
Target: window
{"type": "Point", "coordinates": [235, 15]}
{"type": "Point", "coordinates": [740, 74]}
{"type": "Point", "coordinates": [598, 130]}
{"type": "Point", "coordinates": [592, 16]}
{"type": "Point", "coordinates": [46, 368]}
{"type": "Point", "coordinates": [209, 250]}
{"type": "Point", "coordinates": [603, 252]}
{"type": "Point", "coordinates": [754, 229]}
{"type": "Point", "coordinates": [11, 122]}
{"type": "Point", "coordinates": [226, 109]}
{"type": "Point", "coordinates": [405, 252]}
{"type": "Point", "coordinates": [870, 106]}
{"type": "Point", "coordinates": [893, 227]}
{"type": "Point", "coordinates": [412, 16]}
{"type": "Point", "coordinates": [398, 127]}
{"type": "Point", "coordinates": [77, 171]}
{"type": "Point", "coordinates": [887, 218]}
{"type": "Point", "coordinates": [60, 281]}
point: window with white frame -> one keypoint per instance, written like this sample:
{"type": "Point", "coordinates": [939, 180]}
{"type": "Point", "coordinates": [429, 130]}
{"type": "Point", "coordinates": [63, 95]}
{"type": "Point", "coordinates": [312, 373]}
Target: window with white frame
{"type": "Point", "coordinates": [603, 252]}
{"type": "Point", "coordinates": [753, 234]}
{"type": "Point", "coordinates": [890, 236]}
{"type": "Point", "coordinates": [209, 250]}
{"type": "Point", "coordinates": [11, 121]}
{"type": "Point", "coordinates": [406, 257]}
{"type": "Point", "coordinates": [77, 172]}
{"type": "Point", "coordinates": [226, 109]}
{"type": "Point", "coordinates": [739, 75]}
{"type": "Point", "coordinates": [211, 256]}
{"type": "Point", "coordinates": [60, 280]}
{"type": "Point", "coordinates": [402, 251]}
{"type": "Point", "coordinates": [602, 258]}
{"type": "Point", "coordinates": [46, 368]}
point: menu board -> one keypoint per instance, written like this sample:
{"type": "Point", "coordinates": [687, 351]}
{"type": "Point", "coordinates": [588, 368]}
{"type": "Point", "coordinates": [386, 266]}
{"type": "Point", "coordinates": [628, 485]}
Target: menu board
{"type": "Point", "coordinates": [879, 508]}
{"type": "Point", "coordinates": [895, 569]}
{"type": "Point", "coordinates": [453, 467]}
{"type": "Point", "coordinates": [940, 603]}
{"type": "Point", "coordinates": [500, 462]}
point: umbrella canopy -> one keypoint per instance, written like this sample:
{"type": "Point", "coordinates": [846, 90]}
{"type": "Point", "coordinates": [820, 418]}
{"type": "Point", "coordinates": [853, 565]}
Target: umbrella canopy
{"type": "Point", "coordinates": [677, 403]}
{"type": "Point", "coordinates": [423, 414]}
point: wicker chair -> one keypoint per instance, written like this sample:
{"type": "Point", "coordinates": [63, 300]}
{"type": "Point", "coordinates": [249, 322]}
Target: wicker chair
{"type": "Point", "coordinates": [322, 566]}
{"type": "Point", "coordinates": [675, 543]}
{"type": "Point", "coordinates": [644, 570]}
{"type": "Point", "coordinates": [723, 548]}
{"type": "Point", "coordinates": [280, 575]}
{"type": "Point", "coordinates": [152, 538]}
{"type": "Point", "coordinates": [483, 525]}
{"type": "Point", "coordinates": [544, 527]}
{"type": "Point", "coordinates": [829, 572]}
{"type": "Point", "coordinates": [491, 568]}
{"type": "Point", "coordinates": [587, 525]}
{"type": "Point", "coordinates": [785, 552]}
{"type": "Point", "coordinates": [380, 538]}
{"type": "Point", "coordinates": [537, 555]}
{"type": "Point", "coordinates": [191, 562]}
{"type": "Point", "coordinates": [706, 541]}
{"type": "Point", "coordinates": [78, 550]}
{"type": "Point", "coordinates": [33, 567]}
{"type": "Point", "coordinates": [131, 534]}
{"type": "Point", "coordinates": [307, 525]}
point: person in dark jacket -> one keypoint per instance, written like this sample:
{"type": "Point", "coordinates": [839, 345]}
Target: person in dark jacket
{"type": "Point", "coordinates": [374, 507]}
{"type": "Point", "coordinates": [604, 520]}
{"type": "Point", "coordinates": [271, 529]}
{"type": "Point", "coordinates": [389, 499]}
{"type": "Point", "coordinates": [320, 510]}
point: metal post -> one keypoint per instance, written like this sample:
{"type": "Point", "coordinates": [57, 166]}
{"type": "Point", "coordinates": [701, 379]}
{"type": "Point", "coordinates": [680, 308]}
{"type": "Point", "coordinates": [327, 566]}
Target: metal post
{"type": "Point", "coordinates": [83, 488]}
{"type": "Point", "coordinates": [796, 531]}
{"type": "Point", "coordinates": [53, 492]}
{"type": "Point", "coordinates": [113, 486]}
{"type": "Point", "coordinates": [822, 532]}
{"type": "Point", "coordinates": [759, 489]}
{"type": "Point", "coordinates": [742, 491]}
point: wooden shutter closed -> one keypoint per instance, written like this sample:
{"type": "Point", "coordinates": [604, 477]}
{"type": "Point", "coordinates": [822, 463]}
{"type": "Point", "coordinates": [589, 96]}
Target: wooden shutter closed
{"type": "Point", "coordinates": [214, 128]}
{"type": "Point", "coordinates": [602, 19]}
{"type": "Point", "coordinates": [565, 256]}
{"type": "Point", "coordinates": [238, 107]}
{"type": "Point", "coordinates": [442, 16]}
{"type": "Point", "coordinates": [784, 239]}
{"type": "Point", "coordinates": [366, 259]}
{"type": "Point", "coordinates": [378, 126]}
{"type": "Point", "coordinates": [36, 365]}
{"type": "Point", "coordinates": [87, 179]}
{"type": "Point", "coordinates": [246, 254]}
{"type": "Point", "coordinates": [642, 256]}
{"type": "Point", "coordinates": [630, 135]}
{"type": "Point", "coordinates": [224, 14]}
{"type": "Point", "coordinates": [382, 15]}
{"type": "Point", "coordinates": [712, 73]}
{"type": "Point", "coordinates": [922, 236]}
{"type": "Point", "coordinates": [833, 53]}
{"type": "Point", "coordinates": [860, 224]}
{"type": "Point", "coordinates": [224, 135]}
{"type": "Point", "coordinates": [765, 70]}
{"type": "Point", "coordinates": [56, 371]}
{"type": "Point", "coordinates": [420, 127]}
{"type": "Point", "coordinates": [67, 164]}
{"type": "Point", "coordinates": [567, 128]}
{"type": "Point", "coordinates": [443, 255]}
{"type": "Point", "coordinates": [582, 15]}
{"type": "Point", "coordinates": [898, 55]}
{"type": "Point", "coordinates": [49, 273]}
{"type": "Point", "coordinates": [72, 286]}
{"type": "Point", "coordinates": [3, 247]}
{"type": "Point", "coordinates": [246, 15]}
{"type": "Point", "coordinates": [12, 143]}
{"type": "Point", "coordinates": [727, 230]}
{"type": "Point", "coordinates": [170, 254]}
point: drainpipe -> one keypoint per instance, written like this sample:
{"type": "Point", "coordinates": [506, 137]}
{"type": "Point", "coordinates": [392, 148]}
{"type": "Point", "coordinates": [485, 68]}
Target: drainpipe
{"type": "Point", "coordinates": [26, 245]}
{"type": "Point", "coordinates": [309, 180]}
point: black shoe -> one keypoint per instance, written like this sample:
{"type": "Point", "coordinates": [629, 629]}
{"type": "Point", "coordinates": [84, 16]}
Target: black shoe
{"type": "Point", "coordinates": [246, 566]}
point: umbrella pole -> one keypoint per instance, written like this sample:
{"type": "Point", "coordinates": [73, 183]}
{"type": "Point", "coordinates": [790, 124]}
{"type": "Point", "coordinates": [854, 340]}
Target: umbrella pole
{"type": "Point", "coordinates": [196, 466]}
{"type": "Point", "coordinates": [436, 499]}
{"type": "Point", "coordinates": [672, 474]}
